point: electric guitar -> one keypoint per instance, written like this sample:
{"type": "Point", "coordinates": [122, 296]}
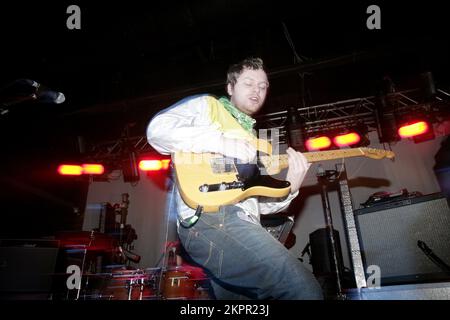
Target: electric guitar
{"type": "Point", "coordinates": [210, 180]}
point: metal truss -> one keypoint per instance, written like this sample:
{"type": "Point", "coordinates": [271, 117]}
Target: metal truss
{"type": "Point", "coordinates": [116, 150]}
{"type": "Point", "coordinates": [325, 116]}
{"type": "Point", "coordinates": [357, 112]}
{"type": "Point", "coordinates": [319, 118]}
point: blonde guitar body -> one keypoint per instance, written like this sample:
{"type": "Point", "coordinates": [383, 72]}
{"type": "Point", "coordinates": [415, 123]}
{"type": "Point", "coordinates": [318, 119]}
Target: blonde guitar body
{"type": "Point", "coordinates": [195, 171]}
{"type": "Point", "coordinates": [211, 180]}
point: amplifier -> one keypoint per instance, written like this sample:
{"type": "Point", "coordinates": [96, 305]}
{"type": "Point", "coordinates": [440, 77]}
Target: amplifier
{"type": "Point", "coordinates": [389, 236]}
{"type": "Point", "coordinates": [278, 225]}
{"type": "Point", "coordinates": [27, 265]}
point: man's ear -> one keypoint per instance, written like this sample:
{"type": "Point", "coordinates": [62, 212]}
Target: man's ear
{"type": "Point", "coordinates": [230, 89]}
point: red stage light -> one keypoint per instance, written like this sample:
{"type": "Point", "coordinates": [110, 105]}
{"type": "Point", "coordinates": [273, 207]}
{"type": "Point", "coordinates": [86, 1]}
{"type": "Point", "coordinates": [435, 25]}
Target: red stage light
{"type": "Point", "coordinates": [413, 129]}
{"type": "Point", "coordinates": [70, 170]}
{"type": "Point", "coordinates": [318, 143]}
{"type": "Point", "coordinates": [347, 139]}
{"type": "Point", "coordinates": [154, 165]}
{"type": "Point", "coordinates": [165, 164]}
{"type": "Point", "coordinates": [93, 169]}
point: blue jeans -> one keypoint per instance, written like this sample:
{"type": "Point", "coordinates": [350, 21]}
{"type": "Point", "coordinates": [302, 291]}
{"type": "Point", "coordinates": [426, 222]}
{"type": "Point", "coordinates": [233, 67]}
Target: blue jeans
{"type": "Point", "coordinates": [245, 261]}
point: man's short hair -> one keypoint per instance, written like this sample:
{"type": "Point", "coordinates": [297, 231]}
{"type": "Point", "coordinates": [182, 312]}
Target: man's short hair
{"type": "Point", "coordinates": [236, 69]}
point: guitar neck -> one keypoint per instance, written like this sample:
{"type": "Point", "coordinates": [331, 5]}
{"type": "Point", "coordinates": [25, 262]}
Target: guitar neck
{"type": "Point", "coordinates": [333, 154]}
{"type": "Point", "coordinates": [322, 156]}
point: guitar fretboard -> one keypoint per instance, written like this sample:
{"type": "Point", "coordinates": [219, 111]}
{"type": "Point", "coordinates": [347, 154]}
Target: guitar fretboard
{"type": "Point", "coordinates": [314, 156]}
{"type": "Point", "coordinates": [331, 154]}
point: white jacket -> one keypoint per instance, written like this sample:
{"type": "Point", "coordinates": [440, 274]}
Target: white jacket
{"type": "Point", "coordinates": [192, 125]}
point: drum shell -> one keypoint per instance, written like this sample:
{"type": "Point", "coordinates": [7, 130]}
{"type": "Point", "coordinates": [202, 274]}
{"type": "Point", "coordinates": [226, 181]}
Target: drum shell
{"type": "Point", "coordinates": [177, 283]}
{"type": "Point", "coordinates": [131, 285]}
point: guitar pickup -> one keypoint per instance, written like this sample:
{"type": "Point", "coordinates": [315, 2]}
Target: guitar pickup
{"type": "Point", "coordinates": [222, 186]}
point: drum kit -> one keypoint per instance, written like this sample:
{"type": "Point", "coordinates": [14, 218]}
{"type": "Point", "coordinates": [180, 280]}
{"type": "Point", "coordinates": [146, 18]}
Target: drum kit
{"type": "Point", "coordinates": [120, 281]}
{"type": "Point", "coordinates": [143, 284]}
{"type": "Point", "coordinates": [175, 283]}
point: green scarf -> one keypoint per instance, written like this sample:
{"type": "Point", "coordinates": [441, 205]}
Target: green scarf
{"type": "Point", "coordinates": [244, 120]}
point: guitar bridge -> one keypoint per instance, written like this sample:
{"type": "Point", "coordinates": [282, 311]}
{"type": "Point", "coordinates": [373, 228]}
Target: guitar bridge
{"type": "Point", "coordinates": [222, 186]}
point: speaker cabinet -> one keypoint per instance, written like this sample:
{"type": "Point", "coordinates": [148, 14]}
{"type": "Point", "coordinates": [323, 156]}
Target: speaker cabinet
{"type": "Point", "coordinates": [27, 266]}
{"type": "Point", "coordinates": [389, 235]}
{"type": "Point", "coordinates": [322, 256]}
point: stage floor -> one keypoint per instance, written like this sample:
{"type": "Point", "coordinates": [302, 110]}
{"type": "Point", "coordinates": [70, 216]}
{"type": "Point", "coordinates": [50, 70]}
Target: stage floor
{"type": "Point", "coordinates": [424, 291]}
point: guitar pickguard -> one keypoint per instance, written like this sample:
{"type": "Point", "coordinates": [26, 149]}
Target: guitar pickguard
{"type": "Point", "coordinates": [222, 165]}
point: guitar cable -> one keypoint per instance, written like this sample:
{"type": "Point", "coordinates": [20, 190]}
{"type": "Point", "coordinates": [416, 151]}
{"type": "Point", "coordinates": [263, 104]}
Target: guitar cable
{"type": "Point", "coordinates": [191, 221]}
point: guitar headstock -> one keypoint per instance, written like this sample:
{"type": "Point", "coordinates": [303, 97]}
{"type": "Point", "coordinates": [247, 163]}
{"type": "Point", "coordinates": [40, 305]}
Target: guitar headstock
{"type": "Point", "coordinates": [377, 153]}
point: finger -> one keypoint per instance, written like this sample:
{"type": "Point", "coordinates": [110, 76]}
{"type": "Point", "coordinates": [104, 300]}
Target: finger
{"type": "Point", "coordinates": [289, 152]}
{"type": "Point", "coordinates": [304, 162]}
{"type": "Point", "coordinates": [246, 151]}
{"type": "Point", "coordinates": [252, 152]}
{"type": "Point", "coordinates": [302, 159]}
{"type": "Point", "coordinates": [292, 159]}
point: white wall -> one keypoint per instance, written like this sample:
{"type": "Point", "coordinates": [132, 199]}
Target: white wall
{"type": "Point", "coordinates": [412, 169]}
{"type": "Point", "coordinates": [145, 212]}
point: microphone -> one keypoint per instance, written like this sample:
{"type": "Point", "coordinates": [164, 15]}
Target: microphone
{"type": "Point", "coordinates": [25, 89]}
{"type": "Point", "coordinates": [49, 96]}
{"type": "Point", "coordinates": [45, 95]}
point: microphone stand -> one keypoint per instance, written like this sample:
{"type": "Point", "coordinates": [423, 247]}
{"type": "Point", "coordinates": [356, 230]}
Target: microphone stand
{"type": "Point", "coordinates": [4, 107]}
{"type": "Point", "coordinates": [83, 264]}
{"type": "Point", "coordinates": [323, 177]}
{"type": "Point", "coordinates": [123, 215]}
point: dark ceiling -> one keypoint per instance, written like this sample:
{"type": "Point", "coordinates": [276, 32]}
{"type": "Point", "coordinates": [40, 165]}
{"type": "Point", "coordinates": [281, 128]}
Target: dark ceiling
{"type": "Point", "coordinates": [130, 60]}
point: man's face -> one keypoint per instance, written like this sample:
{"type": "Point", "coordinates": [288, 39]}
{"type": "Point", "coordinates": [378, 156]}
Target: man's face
{"type": "Point", "coordinates": [250, 90]}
